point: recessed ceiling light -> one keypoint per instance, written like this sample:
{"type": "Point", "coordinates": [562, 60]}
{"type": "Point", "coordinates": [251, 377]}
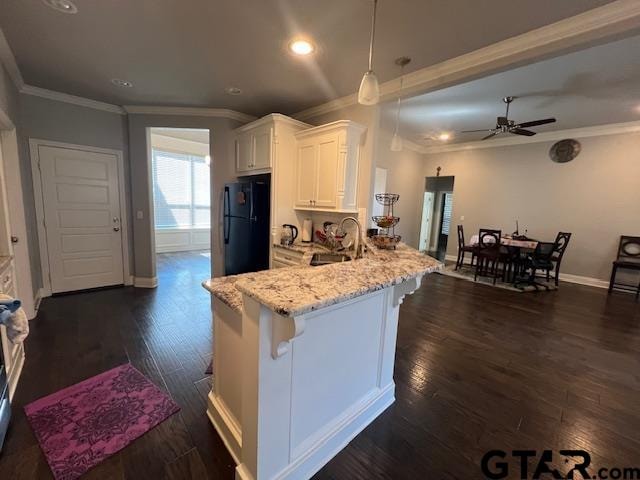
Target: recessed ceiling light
{"type": "Point", "coordinates": [122, 83]}
{"type": "Point", "coordinates": [301, 47]}
{"type": "Point", "coordinates": [444, 136]}
{"type": "Point", "coordinates": [64, 6]}
{"type": "Point", "coordinates": [233, 91]}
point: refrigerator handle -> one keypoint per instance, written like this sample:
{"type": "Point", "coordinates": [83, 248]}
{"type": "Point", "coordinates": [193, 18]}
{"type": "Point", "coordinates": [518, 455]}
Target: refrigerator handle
{"type": "Point", "coordinates": [252, 218]}
{"type": "Point", "coordinates": [226, 220]}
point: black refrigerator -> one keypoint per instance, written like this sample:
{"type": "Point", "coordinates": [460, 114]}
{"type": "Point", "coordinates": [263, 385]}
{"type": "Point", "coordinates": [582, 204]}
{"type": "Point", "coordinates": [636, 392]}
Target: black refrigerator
{"type": "Point", "coordinates": [246, 225]}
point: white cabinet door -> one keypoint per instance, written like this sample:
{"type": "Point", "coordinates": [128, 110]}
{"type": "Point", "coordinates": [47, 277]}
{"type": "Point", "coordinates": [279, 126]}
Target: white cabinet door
{"type": "Point", "coordinates": [327, 177]}
{"type": "Point", "coordinates": [307, 174]}
{"type": "Point", "coordinates": [262, 142]}
{"type": "Point", "coordinates": [244, 152]}
{"type": "Point", "coordinates": [82, 218]}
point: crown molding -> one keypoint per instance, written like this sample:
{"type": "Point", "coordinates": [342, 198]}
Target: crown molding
{"type": "Point", "coordinates": [413, 146]}
{"type": "Point", "coordinates": [354, 127]}
{"type": "Point", "coordinates": [273, 117]}
{"type": "Point", "coordinates": [73, 99]}
{"type": "Point", "coordinates": [583, 132]}
{"type": "Point", "coordinates": [190, 111]}
{"type": "Point", "coordinates": [610, 19]}
{"type": "Point", "coordinates": [9, 61]}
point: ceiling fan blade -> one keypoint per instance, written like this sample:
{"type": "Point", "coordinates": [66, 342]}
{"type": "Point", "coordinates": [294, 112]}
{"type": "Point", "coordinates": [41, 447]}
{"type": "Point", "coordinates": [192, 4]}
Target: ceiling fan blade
{"type": "Point", "coordinates": [492, 134]}
{"type": "Point", "coordinates": [535, 123]}
{"type": "Point", "coordinates": [521, 131]}
{"type": "Point", "coordinates": [475, 131]}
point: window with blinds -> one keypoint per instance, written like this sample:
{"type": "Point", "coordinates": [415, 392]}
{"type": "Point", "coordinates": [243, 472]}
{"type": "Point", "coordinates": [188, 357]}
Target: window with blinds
{"type": "Point", "coordinates": [181, 190]}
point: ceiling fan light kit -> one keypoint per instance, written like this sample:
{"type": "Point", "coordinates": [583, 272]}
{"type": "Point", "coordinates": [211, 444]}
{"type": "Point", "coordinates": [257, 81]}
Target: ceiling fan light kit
{"type": "Point", "coordinates": [505, 125]}
{"type": "Point", "coordinates": [369, 92]}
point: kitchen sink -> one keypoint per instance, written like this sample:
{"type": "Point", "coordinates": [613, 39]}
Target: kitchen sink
{"type": "Point", "coordinates": [328, 258]}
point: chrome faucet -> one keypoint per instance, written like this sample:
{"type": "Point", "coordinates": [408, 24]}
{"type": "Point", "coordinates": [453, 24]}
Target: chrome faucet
{"type": "Point", "coordinates": [359, 243]}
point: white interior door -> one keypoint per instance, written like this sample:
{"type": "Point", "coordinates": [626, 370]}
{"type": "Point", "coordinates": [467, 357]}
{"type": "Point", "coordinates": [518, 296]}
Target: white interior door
{"type": "Point", "coordinates": [82, 218]}
{"type": "Point", "coordinates": [427, 215]}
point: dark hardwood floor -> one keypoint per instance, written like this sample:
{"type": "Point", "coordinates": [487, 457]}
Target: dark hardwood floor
{"type": "Point", "coordinates": [477, 369]}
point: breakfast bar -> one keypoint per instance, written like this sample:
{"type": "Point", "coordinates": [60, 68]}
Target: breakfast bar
{"type": "Point", "coordinates": [304, 357]}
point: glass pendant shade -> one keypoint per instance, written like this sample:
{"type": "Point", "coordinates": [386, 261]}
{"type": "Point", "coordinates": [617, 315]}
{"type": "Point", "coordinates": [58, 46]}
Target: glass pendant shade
{"type": "Point", "coordinates": [369, 92]}
{"type": "Point", "coordinates": [396, 143]}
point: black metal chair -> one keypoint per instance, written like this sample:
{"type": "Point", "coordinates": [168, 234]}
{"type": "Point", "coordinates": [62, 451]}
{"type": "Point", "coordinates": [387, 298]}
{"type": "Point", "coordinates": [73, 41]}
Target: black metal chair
{"type": "Point", "coordinates": [628, 258]}
{"type": "Point", "coordinates": [559, 247]}
{"type": "Point", "coordinates": [540, 259]}
{"type": "Point", "coordinates": [488, 253]}
{"type": "Point", "coordinates": [462, 249]}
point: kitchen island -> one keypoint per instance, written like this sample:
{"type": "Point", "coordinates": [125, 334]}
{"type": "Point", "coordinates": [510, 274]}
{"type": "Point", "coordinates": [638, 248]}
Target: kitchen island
{"type": "Point", "coordinates": [304, 357]}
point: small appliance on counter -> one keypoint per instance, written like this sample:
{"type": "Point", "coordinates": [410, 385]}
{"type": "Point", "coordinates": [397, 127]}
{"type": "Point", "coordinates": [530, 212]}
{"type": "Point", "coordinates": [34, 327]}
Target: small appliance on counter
{"type": "Point", "coordinates": [288, 235]}
{"type": "Point", "coordinates": [307, 230]}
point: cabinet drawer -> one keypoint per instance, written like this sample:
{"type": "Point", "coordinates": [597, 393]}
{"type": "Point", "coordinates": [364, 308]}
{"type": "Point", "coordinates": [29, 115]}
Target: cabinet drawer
{"type": "Point", "coordinates": [288, 257]}
{"type": "Point", "coordinates": [277, 264]}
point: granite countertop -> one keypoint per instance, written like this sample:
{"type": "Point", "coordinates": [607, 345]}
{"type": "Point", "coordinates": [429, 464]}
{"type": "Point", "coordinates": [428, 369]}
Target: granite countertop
{"type": "Point", "coordinates": [301, 289]}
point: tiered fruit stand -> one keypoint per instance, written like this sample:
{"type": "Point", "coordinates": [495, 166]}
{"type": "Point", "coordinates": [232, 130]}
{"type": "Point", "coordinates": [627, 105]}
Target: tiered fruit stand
{"type": "Point", "coordinates": [387, 222]}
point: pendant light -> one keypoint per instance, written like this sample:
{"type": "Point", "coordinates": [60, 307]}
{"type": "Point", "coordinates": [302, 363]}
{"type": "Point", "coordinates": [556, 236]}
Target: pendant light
{"type": "Point", "coordinates": [396, 141]}
{"type": "Point", "coordinates": [369, 92]}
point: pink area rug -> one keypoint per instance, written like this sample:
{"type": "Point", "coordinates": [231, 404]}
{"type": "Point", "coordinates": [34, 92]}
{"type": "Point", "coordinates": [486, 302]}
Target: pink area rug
{"type": "Point", "coordinates": [80, 426]}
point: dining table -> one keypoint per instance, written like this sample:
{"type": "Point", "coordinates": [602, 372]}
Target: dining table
{"type": "Point", "coordinates": [517, 248]}
{"type": "Point", "coordinates": [508, 241]}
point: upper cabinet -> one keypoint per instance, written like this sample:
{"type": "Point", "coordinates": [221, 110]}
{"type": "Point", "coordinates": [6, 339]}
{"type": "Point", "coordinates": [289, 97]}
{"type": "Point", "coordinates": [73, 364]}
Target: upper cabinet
{"type": "Point", "coordinates": [254, 148]}
{"type": "Point", "coordinates": [327, 167]}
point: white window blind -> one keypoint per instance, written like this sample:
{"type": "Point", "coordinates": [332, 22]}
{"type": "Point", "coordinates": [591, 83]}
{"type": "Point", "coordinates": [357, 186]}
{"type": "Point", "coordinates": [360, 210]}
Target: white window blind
{"type": "Point", "coordinates": [181, 190]}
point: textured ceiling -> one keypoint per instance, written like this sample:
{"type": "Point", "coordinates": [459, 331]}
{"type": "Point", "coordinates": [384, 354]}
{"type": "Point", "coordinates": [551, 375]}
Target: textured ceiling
{"type": "Point", "coordinates": [595, 86]}
{"type": "Point", "coordinates": [186, 52]}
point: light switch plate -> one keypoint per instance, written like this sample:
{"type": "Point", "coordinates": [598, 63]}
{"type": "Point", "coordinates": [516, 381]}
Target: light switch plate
{"type": "Point", "coordinates": [139, 214]}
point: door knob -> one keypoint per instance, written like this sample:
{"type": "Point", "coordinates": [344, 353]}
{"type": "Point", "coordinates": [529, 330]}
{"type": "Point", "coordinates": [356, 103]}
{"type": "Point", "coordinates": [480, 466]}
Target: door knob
{"type": "Point", "coordinates": [116, 229]}
{"type": "Point", "coordinates": [14, 239]}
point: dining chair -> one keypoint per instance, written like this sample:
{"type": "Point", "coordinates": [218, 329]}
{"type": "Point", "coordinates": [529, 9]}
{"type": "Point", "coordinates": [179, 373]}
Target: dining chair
{"type": "Point", "coordinates": [628, 258]}
{"type": "Point", "coordinates": [540, 259]}
{"type": "Point", "coordinates": [559, 247]}
{"type": "Point", "coordinates": [462, 249]}
{"type": "Point", "coordinates": [488, 253]}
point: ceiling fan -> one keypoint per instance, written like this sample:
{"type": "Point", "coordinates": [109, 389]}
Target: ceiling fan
{"type": "Point", "coordinates": [505, 125]}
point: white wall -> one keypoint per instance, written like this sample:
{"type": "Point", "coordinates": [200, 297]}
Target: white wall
{"type": "Point", "coordinates": [405, 176]}
{"type": "Point", "coordinates": [596, 196]}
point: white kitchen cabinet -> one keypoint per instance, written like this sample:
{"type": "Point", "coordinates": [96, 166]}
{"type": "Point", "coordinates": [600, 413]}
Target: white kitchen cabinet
{"type": "Point", "coordinates": [254, 150]}
{"type": "Point", "coordinates": [327, 167]}
{"type": "Point", "coordinates": [244, 152]}
{"type": "Point", "coordinates": [285, 257]}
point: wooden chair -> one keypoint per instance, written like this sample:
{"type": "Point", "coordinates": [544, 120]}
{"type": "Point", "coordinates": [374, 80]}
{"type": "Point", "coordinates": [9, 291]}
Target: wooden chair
{"type": "Point", "coordinates": [462, 249]}
{"type": "Point", "coordinates": [559, 247]}
{"type": "Point", "coordinates": [488, 253]}
{"type": "Point", "coordinates": [628, 258]}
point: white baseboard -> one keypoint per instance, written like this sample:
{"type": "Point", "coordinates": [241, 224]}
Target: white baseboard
{"type": "Point", "coordinates": [224, 422]}
{"type": "Point", "coordinates": [566, 277]}
{"type": "Point", "coordinates": [129, 280]}
{"type": "Point", "coordinates": [307, 464]}
{"type": "Point", "coordinates": [145, 282]}
{"type": "Point", "coordinates": [40, 294]}
{"type": "Point", "coordinates": [590, 281]}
